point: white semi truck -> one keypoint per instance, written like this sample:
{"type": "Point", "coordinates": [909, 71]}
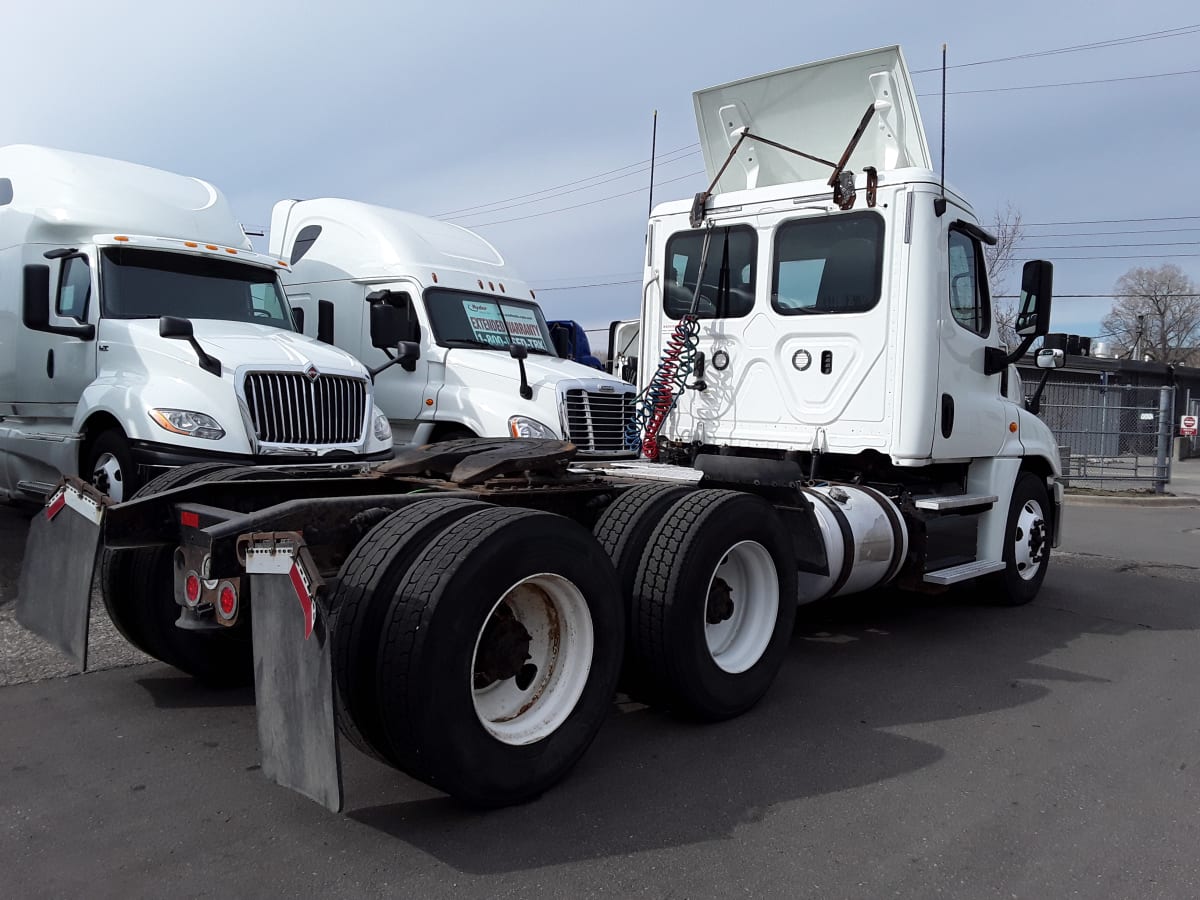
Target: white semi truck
{"type": "Point", "coordinates": [825, 408]}
{"type": "Point", "coordinates": [466, 312]}
{"type": "Point", "coordinates": [139, 332]}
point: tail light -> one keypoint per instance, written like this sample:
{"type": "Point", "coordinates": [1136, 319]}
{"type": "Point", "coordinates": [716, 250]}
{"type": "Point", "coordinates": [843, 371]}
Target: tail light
{"type": "Point", "coordinates": [227, 602]}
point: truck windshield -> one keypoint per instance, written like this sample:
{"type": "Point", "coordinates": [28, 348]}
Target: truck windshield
{"type": "Point", "coordinates": [464, 319]}
{"type": "Point", "coordinates": [146, 284]}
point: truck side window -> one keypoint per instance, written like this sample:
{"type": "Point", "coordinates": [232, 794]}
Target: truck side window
{"type": "Point", "coordinates": [74, 288]}
{"type": "Point", "coordinates": [727, 283]}
{"type": "Point", "coordinates": [969, 301]}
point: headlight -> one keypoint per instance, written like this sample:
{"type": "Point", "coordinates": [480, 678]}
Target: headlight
{"type": "Point", "coordinates": [522, 427]}
{"type": "Point", "coordinates": [188, 423]}
{"type": "Point", "coordinates": [383, 428]}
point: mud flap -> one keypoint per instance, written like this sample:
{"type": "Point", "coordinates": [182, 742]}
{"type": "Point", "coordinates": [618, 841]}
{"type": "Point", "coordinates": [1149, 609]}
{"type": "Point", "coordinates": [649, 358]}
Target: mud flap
{"type": "Point", "coordinates": [54, 593]}
{"type": "Point", "coordinates": [293, 671]}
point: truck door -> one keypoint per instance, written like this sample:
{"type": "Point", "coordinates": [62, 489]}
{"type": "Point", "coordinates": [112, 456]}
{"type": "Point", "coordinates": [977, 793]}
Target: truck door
{"type": "Point", "coordinates": [971, 415]}
{"type": "Point", "coordinates": [54, 369]}
{"type": "Point", "coordinates": [400, 394]}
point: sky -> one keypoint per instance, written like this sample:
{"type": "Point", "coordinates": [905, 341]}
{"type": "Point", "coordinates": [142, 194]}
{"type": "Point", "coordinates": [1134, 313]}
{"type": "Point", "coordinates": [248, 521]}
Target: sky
{"type": "Point", "coordinates": [438, 108]}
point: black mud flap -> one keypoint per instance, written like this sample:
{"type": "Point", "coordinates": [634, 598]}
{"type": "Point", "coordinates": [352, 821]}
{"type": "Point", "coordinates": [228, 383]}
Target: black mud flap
{"type": "Point", "coordinates": [54, 592]}
{"type": "Point", "coordinates": [293, 672]}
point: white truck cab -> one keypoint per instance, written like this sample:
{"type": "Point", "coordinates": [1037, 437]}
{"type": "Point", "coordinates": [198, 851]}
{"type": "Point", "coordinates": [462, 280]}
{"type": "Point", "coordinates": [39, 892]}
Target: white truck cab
{"type": "Point", "coordinates": [825, 305]}
{"type": "Point", "coordinates": [139, 331]}
{"type": "Point", "coordinates": [480, 360]}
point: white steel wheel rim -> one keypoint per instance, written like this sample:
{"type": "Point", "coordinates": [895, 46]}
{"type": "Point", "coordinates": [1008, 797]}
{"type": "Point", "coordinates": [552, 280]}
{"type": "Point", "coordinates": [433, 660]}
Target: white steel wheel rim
{"type": "Point", "coordinates": [107, 472]}
{"type": "Point", "coordinates": [555, 614]}
{"type": "Point", "coordinates": [738, 642]}
{"type": "Point", "coordinates": [1031, 525]}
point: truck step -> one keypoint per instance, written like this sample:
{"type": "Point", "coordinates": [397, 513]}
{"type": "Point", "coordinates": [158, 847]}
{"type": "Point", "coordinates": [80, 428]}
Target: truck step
{"type": "Point", "coordinates": [955, 502]}
{"type": "Point", "coordinates": [955, 574]}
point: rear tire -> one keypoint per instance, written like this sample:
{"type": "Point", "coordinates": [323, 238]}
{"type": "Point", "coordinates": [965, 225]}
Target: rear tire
{"type": "Point", "coordinates": [715, 603]}
{"type": "Point", "coordinates": [359, 604]}
{"type": "Point", "coordinates": [1027, 537]}
{"type": "Point", "coordinates": [500, 655]}
{"type": "Point", "coordinates": [624, 530]}
{"type": "Point", "coordinates": [139, 594]}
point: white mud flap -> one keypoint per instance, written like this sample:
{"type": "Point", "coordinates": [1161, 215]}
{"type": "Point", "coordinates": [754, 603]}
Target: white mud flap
{"type": "Point", "coordinates": [293, 673]}
{"type": "Point", "coordinates": [54, 593]}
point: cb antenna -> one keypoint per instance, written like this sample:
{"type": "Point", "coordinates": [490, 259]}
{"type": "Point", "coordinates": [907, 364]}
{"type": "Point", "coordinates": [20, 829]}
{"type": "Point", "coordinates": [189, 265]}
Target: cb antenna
{"type": "Point", "coordinates": [653, 143]}
{"type": "Point", "coordinates": [939, 203]}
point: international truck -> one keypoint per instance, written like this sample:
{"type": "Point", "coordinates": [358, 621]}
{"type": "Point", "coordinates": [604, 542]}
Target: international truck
{"type": "Point", "coordinates": [140, 332]}
{"type": "Point", "coordinates": [825, 408]}
{"type": "Point", "coordinates": [480, 358]}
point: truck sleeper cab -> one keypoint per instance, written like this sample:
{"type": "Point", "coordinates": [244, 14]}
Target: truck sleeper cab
{"type": "Point", "coordinates": [124, 353]}
{"type": "Point", "coordinates": [466, 308]}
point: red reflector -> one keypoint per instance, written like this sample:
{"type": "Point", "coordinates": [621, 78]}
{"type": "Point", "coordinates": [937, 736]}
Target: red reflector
{"type": "Point", "coordinates": [228, 600]}
{"type": "Point", "coordinates": [191, 588]}
{"type": "Point", "coordinates": [190, 519]}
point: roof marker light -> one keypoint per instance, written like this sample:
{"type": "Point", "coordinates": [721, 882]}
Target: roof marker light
{"type": "Point", "coordinates": [120, 237]}
{"type": "Point", "coordinates": [231, 250]}
{"type": "Point", "coordinates": [502, 287]}
{"type": "Point", "coordinates": [491, 287]}
{"type": "Point", "coordinates": [190, 244]}
{"type": "Point", "coordinates": [480, 283]}
{"type": "Point", "coordinates": [211, 247]}
{"type": "Point", "coordinates": [435, 277]}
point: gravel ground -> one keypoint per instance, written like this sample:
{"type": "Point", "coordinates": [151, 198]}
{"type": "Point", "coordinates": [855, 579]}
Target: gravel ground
{"type": "Point", "coordinates": [25, 657]}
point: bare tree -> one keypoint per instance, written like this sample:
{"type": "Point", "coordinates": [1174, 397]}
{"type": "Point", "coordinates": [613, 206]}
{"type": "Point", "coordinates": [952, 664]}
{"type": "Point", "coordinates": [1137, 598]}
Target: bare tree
{"type": "Point", "coordinates": [1001, 257]}
{"type": "Point", "coordinates": [1157, 313]}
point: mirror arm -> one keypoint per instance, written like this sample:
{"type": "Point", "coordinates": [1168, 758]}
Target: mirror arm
{"type": "Point", "coordinates": [526, 390]}
{"type": "Point", "coordinates": [996, 360]}
{"type": "Point", "coordinates": [1034, 403]}
{"type": "Point", "coordinates": [208, 362]}
{"type": "Point", "coordinates": [392, 360]}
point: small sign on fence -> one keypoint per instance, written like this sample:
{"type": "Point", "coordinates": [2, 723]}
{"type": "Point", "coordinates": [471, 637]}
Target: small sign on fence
{"type": "Point", "coordinates": [1187, 426]}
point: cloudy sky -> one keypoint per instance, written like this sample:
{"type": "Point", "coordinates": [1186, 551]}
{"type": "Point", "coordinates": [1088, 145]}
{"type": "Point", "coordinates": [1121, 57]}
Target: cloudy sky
{"type": "Point", "coordinates": [474, 109]}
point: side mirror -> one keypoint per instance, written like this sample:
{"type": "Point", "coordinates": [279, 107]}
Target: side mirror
{"type": "Point", "coordinates": [407, 354]}
{"type": "Point", "coordinates": [392, 319]}
{"type": "Point", "coordinates": [1047, 358]}
{"type": "Point", "coordinates": [561, 336]}
{"type": "Point", "coordinates": [35, 302]}
{"type": "Point", "coordinates": [518, 351]}
{"type": "Point", "coordinates": [1033, 317]}
{"type": "Point", "coordinates": [180, 329]}
{"type": "Point", "coordinates": [175, 328]}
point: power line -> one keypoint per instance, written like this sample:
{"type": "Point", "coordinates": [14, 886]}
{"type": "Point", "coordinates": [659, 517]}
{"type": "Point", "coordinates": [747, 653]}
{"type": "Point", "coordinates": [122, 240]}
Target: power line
{"type": "Point", "coordinates": [1107, 246]}
{"type": "Point", "coordinates": [1088, 296]}
{"type": "Point", "coordinates": [644, 162]}
{"type": "Point", "coordinates": [1148, 256]}
{"type": "Point", "coordinates": [1108, 221]}
{"type": "Point", "coordinates": [549, 212]}
{"type": "Point", "coordinates": [1146, 231]}
{"type": "Point", "coordinates": [1180, 31]}
{"type": "Point", "coordinates": [586, 187]}
{"type": "Point", "coordinates": [1058, 84]}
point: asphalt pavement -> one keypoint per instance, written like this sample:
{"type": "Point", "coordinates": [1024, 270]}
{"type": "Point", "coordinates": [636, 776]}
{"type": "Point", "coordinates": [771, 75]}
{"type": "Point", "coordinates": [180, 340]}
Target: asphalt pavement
{"type": "Point", "coordinates": [912, 746]}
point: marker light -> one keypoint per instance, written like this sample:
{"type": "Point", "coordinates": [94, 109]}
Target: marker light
{"type": "Point", "coordinates": [227, 601]}
{"type": "Point", "coordinates": [191, 589]}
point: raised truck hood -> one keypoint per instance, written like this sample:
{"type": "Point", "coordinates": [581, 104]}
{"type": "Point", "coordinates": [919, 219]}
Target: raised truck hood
{"type": "Point", "coordinates": [814, 108]}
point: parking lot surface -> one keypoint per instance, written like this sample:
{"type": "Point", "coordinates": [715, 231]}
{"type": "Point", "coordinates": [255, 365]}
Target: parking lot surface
{"type": "Point", "coordinates": [912, 746]}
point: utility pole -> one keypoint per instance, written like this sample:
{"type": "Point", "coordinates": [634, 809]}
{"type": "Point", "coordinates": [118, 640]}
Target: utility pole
{"type": "Point", "coordinates": [1137, 341]}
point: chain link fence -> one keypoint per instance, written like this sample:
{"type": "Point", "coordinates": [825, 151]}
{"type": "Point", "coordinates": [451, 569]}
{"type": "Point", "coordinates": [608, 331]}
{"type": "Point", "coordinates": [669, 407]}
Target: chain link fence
{"type": "Point", "coordinates": [1111, 437]}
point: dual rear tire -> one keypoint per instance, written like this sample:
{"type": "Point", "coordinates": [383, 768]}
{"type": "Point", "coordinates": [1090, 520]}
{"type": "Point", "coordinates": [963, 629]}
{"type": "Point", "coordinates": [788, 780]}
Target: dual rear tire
{"type": "Point", "coordinates": [476, 647]}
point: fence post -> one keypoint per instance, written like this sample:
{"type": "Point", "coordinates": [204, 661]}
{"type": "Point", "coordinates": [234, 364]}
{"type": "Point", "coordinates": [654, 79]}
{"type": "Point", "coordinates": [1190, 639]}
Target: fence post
{"type": "Point", "coordinates": [1162, 466]}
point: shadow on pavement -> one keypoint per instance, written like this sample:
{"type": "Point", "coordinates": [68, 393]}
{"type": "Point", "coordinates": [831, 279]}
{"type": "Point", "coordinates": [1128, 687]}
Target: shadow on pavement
{"type": "Point", "coordinates": [184, 692]}
{"type": "Point", "coordinates": [857, 673]}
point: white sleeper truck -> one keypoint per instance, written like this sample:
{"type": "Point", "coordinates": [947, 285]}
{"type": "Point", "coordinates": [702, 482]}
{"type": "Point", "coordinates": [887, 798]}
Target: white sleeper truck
{"type": "Point", "coordinates": [825, 407]}
{"type": "Point", "coordinates": [479, 359]}
{"type": "Point", "coordinates": [139, 332]}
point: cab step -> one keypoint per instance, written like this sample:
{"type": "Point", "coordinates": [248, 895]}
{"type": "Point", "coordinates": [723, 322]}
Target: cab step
{"type": "Point", "coordinates": [966, 571]}
{"type": "Point", "coordinates": [950, 503]}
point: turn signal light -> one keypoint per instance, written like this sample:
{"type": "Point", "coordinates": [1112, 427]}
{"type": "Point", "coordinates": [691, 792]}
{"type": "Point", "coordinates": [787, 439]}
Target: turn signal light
{"type": "Point", "coordinates": [191, 589]}
{"type": "Point", "coordinates": [227, 601]}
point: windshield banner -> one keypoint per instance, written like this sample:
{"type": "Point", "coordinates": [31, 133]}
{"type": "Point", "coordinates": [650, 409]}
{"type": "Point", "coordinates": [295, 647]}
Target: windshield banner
{"type": "Point", "coordinates": [500, 325]}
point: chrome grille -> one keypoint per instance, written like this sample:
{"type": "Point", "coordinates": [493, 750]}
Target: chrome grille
{"type": "Point", "coordinates": [596, 419]}
{"type": "Point", "coordinates": [289, 408]}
